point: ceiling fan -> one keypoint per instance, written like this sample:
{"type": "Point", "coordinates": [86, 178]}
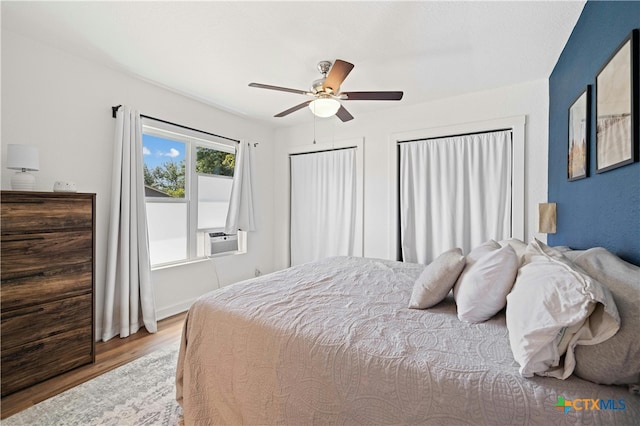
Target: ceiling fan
{"type": "Point", "coordinates": [326, 92]}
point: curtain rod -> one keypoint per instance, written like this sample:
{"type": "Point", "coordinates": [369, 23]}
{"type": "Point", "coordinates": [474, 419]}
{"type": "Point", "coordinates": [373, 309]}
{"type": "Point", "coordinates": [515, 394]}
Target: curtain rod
{"type": "Point", "coordinates": [322, 150]}
{"type": "Point", "coordinates": [114, 109]}
{"type": "Point", "coordinates": [456, 136]}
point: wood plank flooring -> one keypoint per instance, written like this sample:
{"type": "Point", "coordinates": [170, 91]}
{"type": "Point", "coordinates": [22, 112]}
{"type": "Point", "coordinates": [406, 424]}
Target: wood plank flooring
{"type": "Point", "coordinates": [109, 355]}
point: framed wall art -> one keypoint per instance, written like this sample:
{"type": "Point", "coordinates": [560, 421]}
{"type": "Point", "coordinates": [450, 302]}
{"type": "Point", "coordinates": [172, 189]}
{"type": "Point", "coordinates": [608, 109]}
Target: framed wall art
{"type": "Point", "coordinates": [617, 107]}
{"type": "Point", "coordinates": [578, 146]}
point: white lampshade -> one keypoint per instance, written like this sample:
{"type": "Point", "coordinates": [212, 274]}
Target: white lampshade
{"type": "Point", "coordinates": [324, 107]}
{"type": "Point", "coordinates": [22, 157]}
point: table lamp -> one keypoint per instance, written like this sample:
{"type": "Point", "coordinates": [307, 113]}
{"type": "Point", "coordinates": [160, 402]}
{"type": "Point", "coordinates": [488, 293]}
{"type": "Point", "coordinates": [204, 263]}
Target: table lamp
{"type": "Point", "coordinates": [25, 159]}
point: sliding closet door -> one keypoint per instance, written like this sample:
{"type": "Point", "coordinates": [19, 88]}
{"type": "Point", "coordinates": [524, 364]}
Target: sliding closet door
{"type": "Point", "coordinates": [454, 192]}
{"type": "Point", "coordinates": [323, 205]}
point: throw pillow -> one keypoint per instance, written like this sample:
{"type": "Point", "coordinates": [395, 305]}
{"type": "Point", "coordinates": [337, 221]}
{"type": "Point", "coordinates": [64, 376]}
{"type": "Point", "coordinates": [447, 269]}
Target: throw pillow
{"type": "Point", "coordinates": [617, 360]}
{"type": "Point", "coordinates": [518, 245]}
{"type": "Point", "coordinates": [472, 258]}
{"type": "Point", "coordinates": [485, 285]}
{"type": "Point", "coordinates": [436, 280]}
{"type": "Point", "coordinates": [554, 306]}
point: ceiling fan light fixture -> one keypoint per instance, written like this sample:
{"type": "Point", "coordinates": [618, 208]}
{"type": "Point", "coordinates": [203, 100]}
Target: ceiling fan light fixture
{"type": "Point", "coordinates": [327, 94]}
{"type": "Point", "coordinates": [324, 107]}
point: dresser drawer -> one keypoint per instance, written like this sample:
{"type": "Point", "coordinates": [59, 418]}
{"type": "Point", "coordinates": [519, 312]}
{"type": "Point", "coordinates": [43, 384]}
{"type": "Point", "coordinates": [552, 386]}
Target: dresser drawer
{"type": "Point", "coordinates": [31, 254]}
{"type": "Point", "coordinates": [46, 286]}
{"type": "Point", "coordinates": [37, 213]}
{"type": "Point", "coordinates": [45, 358]}
{"type": "Point", "coordinates": [21, 326]}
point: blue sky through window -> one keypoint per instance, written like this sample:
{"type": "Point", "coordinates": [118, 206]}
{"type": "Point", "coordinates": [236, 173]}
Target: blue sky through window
{"type": "Point", "coordinates": [157, 151]}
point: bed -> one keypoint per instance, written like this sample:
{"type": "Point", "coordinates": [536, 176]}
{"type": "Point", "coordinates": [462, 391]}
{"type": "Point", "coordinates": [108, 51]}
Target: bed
{"type": "Point", "coordinates": [333, 342]}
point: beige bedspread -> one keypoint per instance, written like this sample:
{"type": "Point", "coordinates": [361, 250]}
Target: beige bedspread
{"type": "Point", "coordinates": [333, 342]}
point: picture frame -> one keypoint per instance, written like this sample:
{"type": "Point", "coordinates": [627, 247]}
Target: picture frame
{"type": "Point", "coordinates": [578, 136]}
{"type": "Point", "coordinates": [617, 107]}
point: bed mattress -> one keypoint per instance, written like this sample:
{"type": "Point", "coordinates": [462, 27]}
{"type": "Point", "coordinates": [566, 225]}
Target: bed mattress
{"type": "Point", "coordinates": [333, 342]}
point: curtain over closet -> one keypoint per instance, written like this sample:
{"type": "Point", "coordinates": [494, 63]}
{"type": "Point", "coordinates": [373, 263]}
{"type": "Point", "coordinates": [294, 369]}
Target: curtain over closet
{"type": "Point", "coordinates": [323, 205]}
{"type": "Point", "coordinates": [454, 192]}
{"type": "Point", "coordinates": [128, 291]}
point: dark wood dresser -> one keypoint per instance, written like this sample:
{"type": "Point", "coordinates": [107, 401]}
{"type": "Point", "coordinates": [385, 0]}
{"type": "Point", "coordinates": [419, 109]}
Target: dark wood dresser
{"type": "Point", "coordinates": [47, 272]}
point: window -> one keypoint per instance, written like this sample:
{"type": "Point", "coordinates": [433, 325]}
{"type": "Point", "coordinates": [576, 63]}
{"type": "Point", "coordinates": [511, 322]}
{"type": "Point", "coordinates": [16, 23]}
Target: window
{"type": "Point", "coordinates": [188, 177]}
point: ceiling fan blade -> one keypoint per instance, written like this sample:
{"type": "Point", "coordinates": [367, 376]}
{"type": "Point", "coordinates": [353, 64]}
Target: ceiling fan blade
{"type": "Point", "coordinates": [338, 72]}
{"type": "Point", "coordinates": [372, 96]}
{"type": "Point", "coordinates": [293, 109]}
{"type": "Point", "coordinates": [281, 89]}
{"type": "Point", "coordinates": [343, 114]}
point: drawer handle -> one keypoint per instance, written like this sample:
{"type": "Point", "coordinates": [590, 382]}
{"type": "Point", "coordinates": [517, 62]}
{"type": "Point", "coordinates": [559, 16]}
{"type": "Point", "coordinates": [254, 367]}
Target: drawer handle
{"type": "Point", "coordinates": [25, 238]}
{"type": "Point", "coordinates": [22, 277]}
{"type": "Point", "coordinates": [22, 202]}
{"type": "Point", "coordinates": [29, 310]}
{"type": "Point", "coordinates": [23, 351]}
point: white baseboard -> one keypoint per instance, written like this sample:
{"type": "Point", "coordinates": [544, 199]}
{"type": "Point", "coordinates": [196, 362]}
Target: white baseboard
{"type": "Point", "coordinates": [161, 314]}
{"type": "Point", "coordinates": [178, 308]}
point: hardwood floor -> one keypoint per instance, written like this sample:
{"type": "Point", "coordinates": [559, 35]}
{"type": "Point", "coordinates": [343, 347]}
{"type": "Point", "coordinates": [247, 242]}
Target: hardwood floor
{"type": "Point", "coordinates": [109, 355]}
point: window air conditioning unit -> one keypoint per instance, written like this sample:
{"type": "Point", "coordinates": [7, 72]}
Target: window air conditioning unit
{"type": "Point", "coordinates": [222, 243]}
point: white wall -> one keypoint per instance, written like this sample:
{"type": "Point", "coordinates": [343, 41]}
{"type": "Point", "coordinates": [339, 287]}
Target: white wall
{"type": "Point", "coordinates": [62, 104]}
{"type": "Point", "coordinates": [528, 99]}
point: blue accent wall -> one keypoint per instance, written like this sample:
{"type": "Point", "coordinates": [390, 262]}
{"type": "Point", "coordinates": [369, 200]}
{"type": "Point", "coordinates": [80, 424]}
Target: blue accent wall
{"type": "Point", "coordinates": [604, 208]}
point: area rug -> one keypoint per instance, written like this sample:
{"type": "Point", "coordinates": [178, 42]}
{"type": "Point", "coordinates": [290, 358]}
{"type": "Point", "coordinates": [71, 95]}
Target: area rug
{"type": "Point", "coordinates": [141, 392]}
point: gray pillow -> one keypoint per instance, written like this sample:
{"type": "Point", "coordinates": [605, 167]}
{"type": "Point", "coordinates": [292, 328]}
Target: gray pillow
{"type": "Point", "coordinates": [617, 360]}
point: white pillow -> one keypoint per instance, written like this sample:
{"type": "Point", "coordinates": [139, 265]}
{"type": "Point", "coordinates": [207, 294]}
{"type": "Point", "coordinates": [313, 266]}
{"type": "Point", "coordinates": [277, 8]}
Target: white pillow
{"type": "Point", "coordinates": [483, 290]}
{"type": "Point", "coordinates": [548, 313]}
{"type": "Point", "coordinates": [436, 280]}
{"type": "Point", "coordinates": [472, 258]}
{"type": "Point", "coordinates": [518, 245]}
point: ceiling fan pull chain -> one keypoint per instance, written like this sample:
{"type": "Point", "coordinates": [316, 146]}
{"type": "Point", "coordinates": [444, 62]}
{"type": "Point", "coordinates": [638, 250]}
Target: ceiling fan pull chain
{"type": "Point", "coordinates": [314, 129]}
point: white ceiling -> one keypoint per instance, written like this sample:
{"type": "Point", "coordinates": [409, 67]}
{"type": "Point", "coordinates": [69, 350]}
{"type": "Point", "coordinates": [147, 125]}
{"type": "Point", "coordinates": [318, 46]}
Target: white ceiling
{"type": "Point", "coordinates": [212, 50]}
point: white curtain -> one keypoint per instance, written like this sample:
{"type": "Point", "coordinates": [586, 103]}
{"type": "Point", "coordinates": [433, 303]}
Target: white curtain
{"type": "Point", "coordinates": [240, 215]}
{"type": "Point", "coordinates": [128, 292]}
{"type": "Point", "coordinates": [323, 205]}
{"type": "Point", "coordinates": [454, 192]}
